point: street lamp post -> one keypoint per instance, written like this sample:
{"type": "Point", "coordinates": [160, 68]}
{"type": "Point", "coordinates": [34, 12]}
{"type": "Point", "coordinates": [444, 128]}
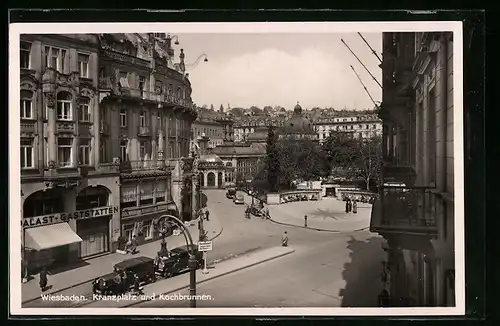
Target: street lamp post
{"type": "Point", "coordinates": [164, 223]}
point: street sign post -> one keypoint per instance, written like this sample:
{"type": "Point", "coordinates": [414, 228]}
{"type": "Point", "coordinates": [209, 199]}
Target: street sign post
{"type": "Point", "coordinates": [205, 246]}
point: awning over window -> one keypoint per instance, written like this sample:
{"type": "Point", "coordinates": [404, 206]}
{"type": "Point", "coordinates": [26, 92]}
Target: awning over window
{"type": "Point", "coordinates": [50, 236]}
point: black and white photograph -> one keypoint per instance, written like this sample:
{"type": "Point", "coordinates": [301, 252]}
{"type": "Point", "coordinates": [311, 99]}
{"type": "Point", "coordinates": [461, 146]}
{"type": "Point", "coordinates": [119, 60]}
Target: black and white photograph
{"type": "Point", "coordinates": [242, 168]}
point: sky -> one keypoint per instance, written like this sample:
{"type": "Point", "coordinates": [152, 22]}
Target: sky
{"type": "Point", "coordinates": [282, 69]}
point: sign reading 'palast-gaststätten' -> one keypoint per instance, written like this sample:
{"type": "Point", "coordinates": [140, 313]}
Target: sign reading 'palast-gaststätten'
{"type": "Point", "coordinates": [65, 217]}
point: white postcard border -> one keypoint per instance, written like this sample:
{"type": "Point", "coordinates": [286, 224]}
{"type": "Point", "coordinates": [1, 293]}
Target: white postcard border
{"type": "Point", "coordinates": [199, 28]}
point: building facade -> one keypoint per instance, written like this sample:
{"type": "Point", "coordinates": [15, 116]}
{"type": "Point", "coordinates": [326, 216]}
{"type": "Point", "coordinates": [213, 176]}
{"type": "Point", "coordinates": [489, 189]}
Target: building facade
{"type": "Point", "coordinates": [297, 126]}
{"type": "Point", "coordinates": [362, 126]}
{"type": "Point", "coordinates": [207, 124]}
{"type": "Point", "coordinates": [416, 217]}
{"type": "Point", "coordinates": [105, 133]}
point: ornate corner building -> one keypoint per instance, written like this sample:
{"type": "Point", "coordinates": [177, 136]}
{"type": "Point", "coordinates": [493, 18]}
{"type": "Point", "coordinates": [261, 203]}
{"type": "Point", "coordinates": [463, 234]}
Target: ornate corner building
{"type": "Point", "coordinates": [416, 214]}
{"type": "Point", "coordinates": [105, 141]}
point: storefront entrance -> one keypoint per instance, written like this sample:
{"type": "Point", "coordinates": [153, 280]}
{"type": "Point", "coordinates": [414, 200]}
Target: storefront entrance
{"type": "Point", "coordinates": [95, 236]}
{"type": "Point", "coordinates": [93, 231]}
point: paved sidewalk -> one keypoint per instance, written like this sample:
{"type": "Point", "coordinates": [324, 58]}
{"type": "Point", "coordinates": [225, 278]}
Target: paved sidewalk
{"type": "Point", "coordinates": [327, 214]}
{"type": "Point", "coordinates": [154, 290]}
{"type": "Point", "coordinates": [104, 264]}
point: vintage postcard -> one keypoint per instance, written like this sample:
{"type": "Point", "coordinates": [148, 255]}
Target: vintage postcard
{"type": "Point", "coordinates": [242, 168]}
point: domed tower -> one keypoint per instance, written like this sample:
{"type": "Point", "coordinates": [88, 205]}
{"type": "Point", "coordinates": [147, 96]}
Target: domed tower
{"type": "Point", "coordinates": [298, 126]}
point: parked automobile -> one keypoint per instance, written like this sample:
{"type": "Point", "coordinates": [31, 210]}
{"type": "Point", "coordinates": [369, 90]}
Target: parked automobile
{"type": "Point", "coordinates": [230, 193]}
{"type": "Point", "coordinates": [177, 261]}
{"type": "Point", "coordinates": [115, 283]}
{"type": "Point", "coordinates": [239, 199]}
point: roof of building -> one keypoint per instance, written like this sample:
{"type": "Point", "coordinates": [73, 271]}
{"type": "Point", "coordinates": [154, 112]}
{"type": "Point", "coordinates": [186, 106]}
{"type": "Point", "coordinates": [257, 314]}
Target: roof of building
{"type": "Point", "coordinates": [240, 150]}
{"type": "Point", "coordinates": [297, 124]}
{"type": "Point", "coordinates": [257, 136]}
{"type": "Point", "coordinates": [210, 158]}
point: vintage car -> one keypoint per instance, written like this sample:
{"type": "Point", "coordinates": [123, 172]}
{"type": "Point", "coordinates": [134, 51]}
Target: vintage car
{"type": "Point", "coordinates": [239, 199]}
{"type": "Point", "coordinates": [230, 193]}
{"type": "Point", "coordinates": [115, 283]}
{"type": "Point", "coordinates": [177, 261]}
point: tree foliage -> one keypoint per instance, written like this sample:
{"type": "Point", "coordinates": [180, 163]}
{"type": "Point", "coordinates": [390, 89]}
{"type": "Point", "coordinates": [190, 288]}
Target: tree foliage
{"type": "Point", "coordinates": [237, 112]}
{"type": "Point", "coordinates": [354, 158]}
{"type": "Point", "coordinates": [272, 160]}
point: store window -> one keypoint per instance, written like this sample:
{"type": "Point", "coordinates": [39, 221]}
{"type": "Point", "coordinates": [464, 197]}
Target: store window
{"type": "Point", "coordinates": [160, 190]}
{"type": "Point", "coordinates": [128, 232]}
{"type": "Point", "coordinates": [146, 193]}
{"type": "Point", "coordinates": [147, 228]}
{"type": "Point", "coordinates": [128, 195]}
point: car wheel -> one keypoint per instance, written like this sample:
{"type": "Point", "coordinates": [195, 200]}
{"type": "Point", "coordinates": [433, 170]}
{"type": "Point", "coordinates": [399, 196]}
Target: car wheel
{"type": "Point", "coordinates": [168, 274]}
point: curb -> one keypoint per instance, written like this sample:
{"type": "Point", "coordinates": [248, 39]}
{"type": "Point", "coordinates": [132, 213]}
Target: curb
{"type": "Point", "coordinates": [213, 278]}
{"type": "Point", "coordinates": [93, 278]}
{"type": "Point", "coordinates": [316, 229]}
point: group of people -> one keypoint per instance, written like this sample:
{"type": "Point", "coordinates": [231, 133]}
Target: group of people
{"type": "Point", "coordinates": [122, 280]}
{"type": "Point", "coordinates": [351, 206]}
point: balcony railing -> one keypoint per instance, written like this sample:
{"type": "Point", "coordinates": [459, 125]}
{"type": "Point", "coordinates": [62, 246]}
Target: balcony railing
{"type": "Point", "coordinates": [406, 210]}
{"type": "Point", "coordinates": [143, 131]}
{"type": "Point", "coordinates": [142, 165]}
{"type": "Point", "coordinates": [108, 167]}
{"type": "Point", "coordinates": [105, 83]}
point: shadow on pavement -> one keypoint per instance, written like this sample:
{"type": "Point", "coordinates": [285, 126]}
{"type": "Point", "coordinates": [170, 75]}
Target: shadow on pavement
{"type": "Point", "coordinates": [363, 273]}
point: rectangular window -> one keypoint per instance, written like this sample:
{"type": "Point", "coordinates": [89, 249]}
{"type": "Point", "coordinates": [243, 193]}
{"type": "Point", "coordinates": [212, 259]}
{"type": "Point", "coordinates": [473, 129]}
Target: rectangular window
{"type": "Point", "coordinates": [160, 190]}
{"type": "Point", "coordinates": [27, 151]}
{"type": "Point", "coordinates": [159, 119]}
{"type": "Point", "coordinates": [65, 152]}
{"type": "Point", "coordinates": [83, 65]}
{"type": "Point", "coordinates": [102, 151]}
{"type": "Point", "coordinates": [124, 80]}
{"type": "Point", "coordinates": [142, 150]}
{"type": "Point", "coordinates": [123, 151]}
{"type": "Point", "coordinates": [147, 229]}
{"type": "Point", "coordinates": [55, 58]}
{"type": "Point", "coordinates": [128, 195]}
{"type": "Point", "coordinates": [146, 191]}
{"type": "Point", "coordinates": [158, 87]}
{"type": "Point", "coordinates": [26, 109]}
{"type": "Point", "coordinates": [84, 113]}
{"type": "Point", "coordinates": [25, 58]}
{"type": "Point", "coordinates": [142, 119]}
{"type": "Point", "coordinates": [128, 231]}
{"type": "Point", "coordinates": [142, 82]}
{"type": "Point", "coordinates": [84, 152]}
{"type": "Point", "coordinates": [64, 110]}
{"type": "Point", "coordinates": [123, 118]}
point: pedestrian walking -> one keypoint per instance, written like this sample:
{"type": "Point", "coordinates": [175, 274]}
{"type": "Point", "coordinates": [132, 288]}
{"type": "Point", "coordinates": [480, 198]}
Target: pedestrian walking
{"type": "Point", "coordinates": [267, 213]}
{"type": "Point", "coordinates": [284, 240]}
{"type": "Point", "coordinates": [305, 221]}
{"type": "Point", "coordinates": [124, 282]}
{"type": "Point", "coordinates": [355, 207]}
{"type": "Point", "coordinates": [133, 245]}
{"type": "Point", "coordinates": [137, 285]}
{"type": "Point", "coordinates": [43, 279]}
{"type": "Point", "coordinates": [347, 205]}
{"type": "Point", "coordinates": [207, 215]}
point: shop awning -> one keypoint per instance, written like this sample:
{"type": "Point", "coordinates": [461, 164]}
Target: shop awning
{"type": "Point", "coordinates": [50, 236]}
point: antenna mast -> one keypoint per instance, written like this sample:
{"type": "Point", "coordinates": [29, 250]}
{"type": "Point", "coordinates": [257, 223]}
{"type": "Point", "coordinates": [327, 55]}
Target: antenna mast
{"type": "Point", "coordinates": [373, 51]}
{"type": "Point", "coordinates": [366, 90]}
{"type": "Point", "coordinates": [375, 79]}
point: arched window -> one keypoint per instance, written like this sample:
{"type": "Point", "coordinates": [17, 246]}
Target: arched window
{"type": "Point", "coordinates": [64, 106]}
{"type": "Point", "coordinates": [26, 107]}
